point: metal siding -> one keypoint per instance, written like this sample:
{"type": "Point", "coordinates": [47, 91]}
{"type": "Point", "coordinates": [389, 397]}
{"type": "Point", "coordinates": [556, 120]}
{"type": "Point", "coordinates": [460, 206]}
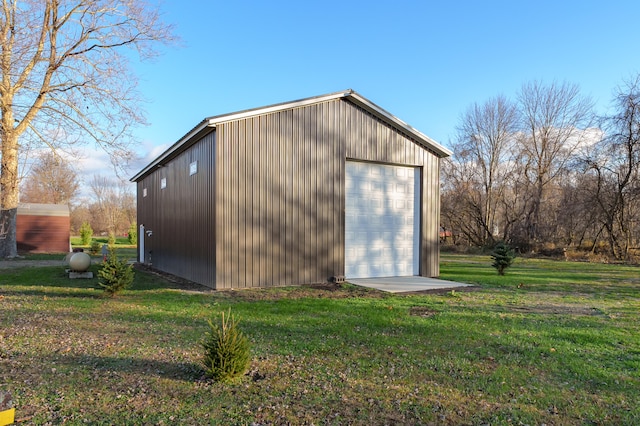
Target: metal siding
{"type": "Point", "coordinates": [289, 230]}
{"type": "Point", "coordinates": [272, 209]}
{"type": "Point", "coordinates": [281, 192]}
{"type": "Point", "coordinates": [181, 215]}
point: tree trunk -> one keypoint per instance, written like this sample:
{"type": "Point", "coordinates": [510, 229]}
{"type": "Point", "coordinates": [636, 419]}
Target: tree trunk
{"type": "Point", "coordinates": [8, 195]}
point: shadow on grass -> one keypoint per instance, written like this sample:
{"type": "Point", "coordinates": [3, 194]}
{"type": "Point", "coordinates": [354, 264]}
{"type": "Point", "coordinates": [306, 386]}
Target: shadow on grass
{"type": "Point", "coordinates": [46, 279]}
{"type": "Point", "coordinates": [185, 371]}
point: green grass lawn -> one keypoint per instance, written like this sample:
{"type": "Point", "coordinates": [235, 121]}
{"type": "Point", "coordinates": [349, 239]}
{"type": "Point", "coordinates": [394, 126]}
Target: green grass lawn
{"type": "Point", "coordinates": [550, 342]}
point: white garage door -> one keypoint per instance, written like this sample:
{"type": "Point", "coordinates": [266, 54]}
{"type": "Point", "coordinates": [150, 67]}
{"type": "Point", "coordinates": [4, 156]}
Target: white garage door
{"type": "Point", "coordinates": [382, 220]}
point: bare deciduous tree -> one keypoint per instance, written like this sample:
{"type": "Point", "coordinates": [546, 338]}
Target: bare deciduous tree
{"type": "Point", "coordinates": [512, 167]}
{"type": "Point", "coordinates": [51, 181]}
{"type": "Point", "coordinates": [485, 139]}
{"type": "Point", "coordinates": [65, 79]}
{"type": "Point", "coordinates": [615, 164]}
{"type": "Point", "coordinates": [555, 122]}
{"type": "Point", "coordinates": [114, 208]}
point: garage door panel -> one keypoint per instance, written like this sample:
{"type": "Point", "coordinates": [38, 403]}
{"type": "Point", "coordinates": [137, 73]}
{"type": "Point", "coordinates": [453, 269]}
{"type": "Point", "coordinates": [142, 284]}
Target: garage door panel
{"type": "Point", "coordinates": [381, 220]}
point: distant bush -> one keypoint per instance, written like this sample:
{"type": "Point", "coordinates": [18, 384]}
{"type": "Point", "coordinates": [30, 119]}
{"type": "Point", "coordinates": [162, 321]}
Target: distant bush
{"type": "Point", "coordinates": [115, 275]}
{"type": "Point", "coordinates": [226, 350]}
{"type": "Point", "coordinates": [94, 248]}
{"type": "Point", "coordinates": [502, 256]}
{"type": "Point", "coordinates": [86, 233]}
{"type": "Point", "coordinates": [132, 235]}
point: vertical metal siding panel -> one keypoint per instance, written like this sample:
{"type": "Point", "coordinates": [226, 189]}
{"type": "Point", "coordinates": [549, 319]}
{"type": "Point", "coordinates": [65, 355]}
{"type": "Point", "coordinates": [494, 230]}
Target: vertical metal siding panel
{"type": "Point", "coordinates": [309, 189]}
{"type": "Point", "coordinates": [366, 147]}
{"type": "Point", "coordinates": [355, 137]}
{"type": "Point", "coordinates": [301, 195]}
{"type": "Point", "coordinates": [224, 208]}
{"type": "Point", "coordinates": [263, 200]}
{"type": "Point", "coordinates": [393, 143]}
{"type": "Point", "coordinates": [425, 266]}
{"type": "Point", "coordinates": [288, 170]}
{"type": "Point", "coordinates": [319, 206]}
{"type": "Point", "coordinates": [304, 191]}
{"type": "Point", "coordinates": [433, 215]}
{"type": "Point", "coordinates": [377, 139]}
{"type": "Point", "coordinates": [313, 209]}
{"type": "Point", "coordinates": [383, 140]}
{"type": "Point", "coordinates": [326, 202]}
{"type": "Point", "coordinates": [241, 165]}
{"type": "Point", "coordinates": [232, 205]}
{"type": "Point", "coordinates": [432, 208]}
{"type": "Point", "coordinates": [355, 134]}
{"type": "Point", "coordinates": [271, 201]}
{"type": "Point", "coordinates": [280, 256]}
{"type": "Point", "coordinates": [341, 155]}
{"type": "Point", "coordinates": [257, 202]}
{"type": "Point", "coordinates": [276, 230]}
{"type": "Point", "coordinates": [219, 206]}
{"type": "Point", "coordinates": [337, 159]}
{"type": "Point", "coordinates": [249, 205]}
{"type": "Point", "coordinates": [296, 219]}
{"type": "Point", "coordinates": [428, 216]}
{"type": "Point", "coordinates": [237, 187]}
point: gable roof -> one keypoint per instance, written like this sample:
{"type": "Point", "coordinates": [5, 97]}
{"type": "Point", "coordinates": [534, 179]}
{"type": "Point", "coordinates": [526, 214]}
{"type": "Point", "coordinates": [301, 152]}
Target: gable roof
{"type": "Point", "coordinates": [209, 124]}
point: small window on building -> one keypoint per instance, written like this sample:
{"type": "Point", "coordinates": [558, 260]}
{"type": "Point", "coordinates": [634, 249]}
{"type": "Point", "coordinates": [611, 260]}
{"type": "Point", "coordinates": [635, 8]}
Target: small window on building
{"type": "Point", "coordinates": [193, 168]}
{"type": "Point", "coordinates": [163, 183]}
{"type": "Point", "coordinates": [144, 192]}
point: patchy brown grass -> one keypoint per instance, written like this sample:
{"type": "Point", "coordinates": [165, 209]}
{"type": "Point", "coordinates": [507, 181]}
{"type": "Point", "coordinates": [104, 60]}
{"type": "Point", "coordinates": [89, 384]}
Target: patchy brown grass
{"type": "Point", "coordinates": [326, 354]}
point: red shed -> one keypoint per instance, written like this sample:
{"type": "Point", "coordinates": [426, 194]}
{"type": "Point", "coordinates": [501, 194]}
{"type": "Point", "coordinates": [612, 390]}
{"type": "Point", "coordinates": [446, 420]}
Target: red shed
{"type": "Point", "coordinates": [43, 228]}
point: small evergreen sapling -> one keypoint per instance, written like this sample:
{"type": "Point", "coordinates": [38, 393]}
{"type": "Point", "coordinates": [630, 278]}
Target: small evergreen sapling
{"type": "Point", "coordinates": [502, 256]}
{"type": "Point", "coordinates": [115, 274]}
{"type": "Point", "coordinates": [226, 350]}
{"type": "Point", "coordinates": [132, 235]}
{"type": "Point", "coordinates": [94, 248]}
{"type": "Point", "coordinates": [86, 233]}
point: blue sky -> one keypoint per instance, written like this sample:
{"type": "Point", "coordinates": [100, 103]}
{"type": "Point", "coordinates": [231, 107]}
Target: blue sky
{"type": "Point", "coordinates": [424, 61]}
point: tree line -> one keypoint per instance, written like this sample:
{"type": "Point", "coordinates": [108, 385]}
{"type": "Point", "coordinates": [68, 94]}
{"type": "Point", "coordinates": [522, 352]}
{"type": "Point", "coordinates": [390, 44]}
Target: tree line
{"type": "Point", "coordinates": [109, 207]}
{"type": "Point", "coordinates": [543, 170]}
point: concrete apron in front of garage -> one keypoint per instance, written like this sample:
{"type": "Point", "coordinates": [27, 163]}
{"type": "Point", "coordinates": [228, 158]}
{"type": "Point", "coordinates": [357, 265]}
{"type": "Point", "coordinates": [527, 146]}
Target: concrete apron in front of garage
{"type": "Point", "coordinates": [407, 284]}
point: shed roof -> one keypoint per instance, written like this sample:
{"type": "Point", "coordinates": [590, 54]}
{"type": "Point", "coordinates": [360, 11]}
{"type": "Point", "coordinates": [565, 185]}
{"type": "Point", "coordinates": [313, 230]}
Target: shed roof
{"type": "Point", "coordinates": [36, 209]}
{"type": "Point", "coordinates": [209, 124]}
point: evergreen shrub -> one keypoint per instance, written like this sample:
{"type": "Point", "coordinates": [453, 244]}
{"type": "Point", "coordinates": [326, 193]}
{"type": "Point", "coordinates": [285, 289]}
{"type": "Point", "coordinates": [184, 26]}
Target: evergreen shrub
{"type": "Point", "coordinates": [502, 256]}
{"type": "Point", "coordinates": [86, 233]}
{"type": "Point", "coordinates": [115, 274]}
{"type": "Point", "coordinates": [133, 234]}
{"type": "Point", "coordinates": [226, 350]}
{"type": "Point", "coordinates": [94, 248]}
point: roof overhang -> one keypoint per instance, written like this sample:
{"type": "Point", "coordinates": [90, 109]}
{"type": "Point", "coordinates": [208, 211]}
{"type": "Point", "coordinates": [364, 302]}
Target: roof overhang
{"type": "Point", "coordinates": [209, 124]}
